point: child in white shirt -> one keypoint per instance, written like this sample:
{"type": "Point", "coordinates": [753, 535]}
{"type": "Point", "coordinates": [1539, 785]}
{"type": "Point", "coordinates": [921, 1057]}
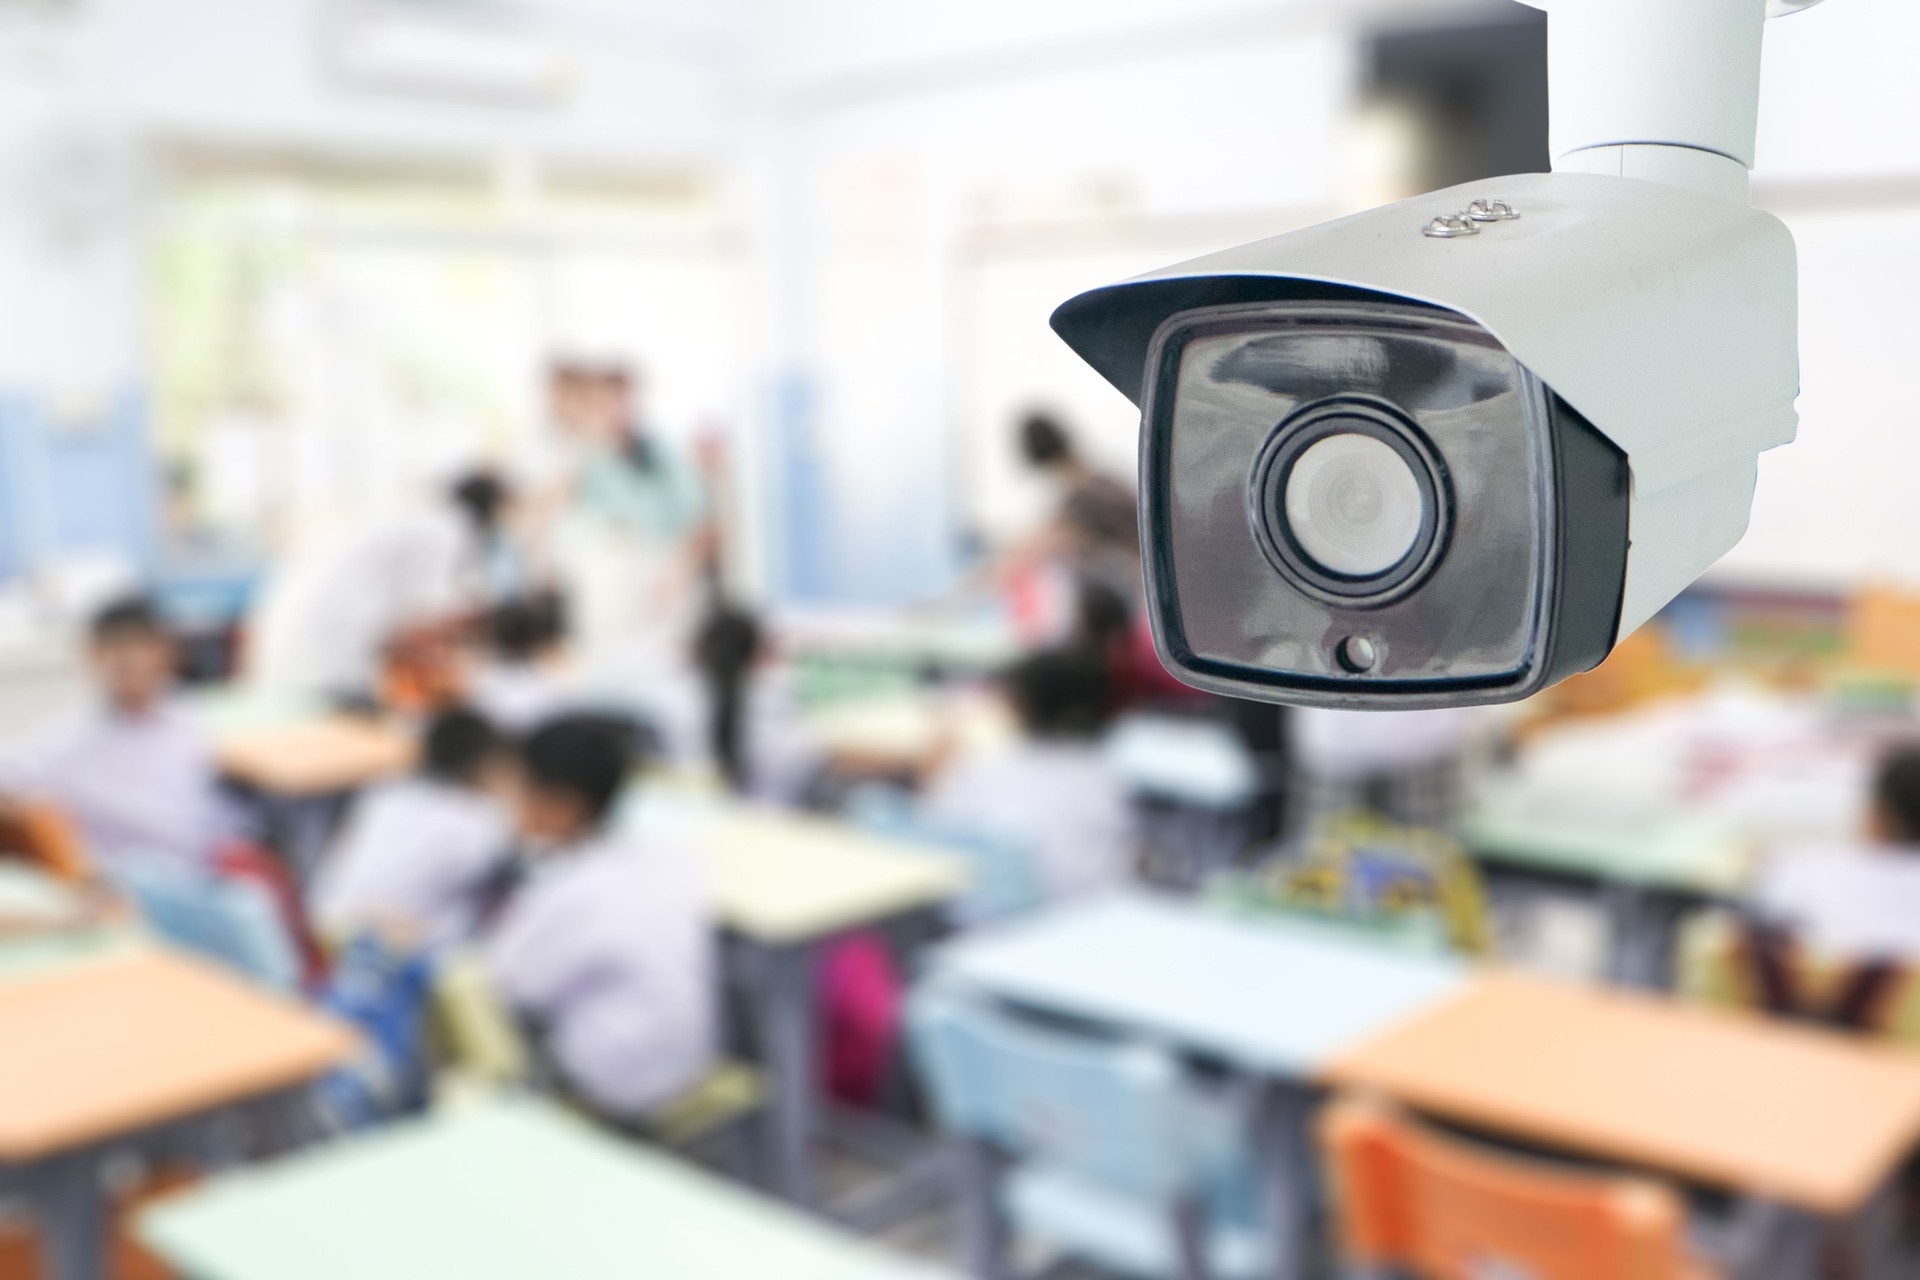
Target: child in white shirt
{"type": "Point", "coordinates": [134, 770]}
{"type": "Point", "coordinates": [607, 951]}
{"type": "Point", "coordinates": [516, 686]}
{"type": "Point", "coordinates": [1052, 794]}
{"type": "Point", "coordinates": [1861, 902]}
{"type": "Point", "coordinates": [415, 856]}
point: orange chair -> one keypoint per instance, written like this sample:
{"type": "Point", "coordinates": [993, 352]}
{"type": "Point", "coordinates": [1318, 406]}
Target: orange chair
{"type": "Point", "coordinates": [1409, 1201]}
{"type": "Point", "coordinates": [1884, 631]}
{"type": "Point", "coordinates": [44, 836]}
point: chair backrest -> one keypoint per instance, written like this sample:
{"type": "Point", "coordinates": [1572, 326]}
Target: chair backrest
{"type": "Point", "coordinates": [1120, 1115]}
{"type": "Point", "coordinates": [44, 836]}
{"type": "Point", "coordinates": [1411, 1200]}
{"type": "Point", "coordinates": [1884, 631]}
{"type": "Point", "coordinates": [1003, 875]}
{"type": "Point", "coordinates": [1720, 964]}
{"type": "Point", "coordinates": [478, 1033]}
{"type": "Point", "coordinates": [235, 922]}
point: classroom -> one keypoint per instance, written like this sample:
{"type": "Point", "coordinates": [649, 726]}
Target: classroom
{"type": "Point", "coordinates": [838, 640]}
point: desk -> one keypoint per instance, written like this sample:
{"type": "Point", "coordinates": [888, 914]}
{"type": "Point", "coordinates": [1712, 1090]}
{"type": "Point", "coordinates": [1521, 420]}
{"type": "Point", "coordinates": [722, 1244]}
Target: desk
{"type": "Point", "coordinates": [1651, 865]}
{"type": "Point", "coordinates": [909, 733]}
{"type": "Point", "coordinates": [110, 1049]}
{"type": "Point", "coordinates": [496, 1191]}
{"type": "Point", "coordinates": [44, 925]}
{"type": "Point", "coordinates": [1805, 1118]}
{"type": "Point", "coordinates": [784, 885]}
{"type": "Point", "coordinates": [1276, 999]}
{"type": "Point", "coordinates": [313, 758]}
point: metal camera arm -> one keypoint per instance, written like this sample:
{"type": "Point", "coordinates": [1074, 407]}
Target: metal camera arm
{"type": "Point", "coordinates": [1666, 90]}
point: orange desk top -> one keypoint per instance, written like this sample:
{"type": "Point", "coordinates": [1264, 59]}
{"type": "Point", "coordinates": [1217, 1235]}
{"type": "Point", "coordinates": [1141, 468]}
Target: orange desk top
{"type": "Point", "coordinates": [1805, 1117]}
{"type": "Point", "coordinates": [112, 1046]}
{"type": "Point", "coordinates": [316, 757]}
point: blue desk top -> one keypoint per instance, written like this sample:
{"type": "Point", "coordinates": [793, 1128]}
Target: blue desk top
{"type": "Point", "coordinates": [1276, 997]}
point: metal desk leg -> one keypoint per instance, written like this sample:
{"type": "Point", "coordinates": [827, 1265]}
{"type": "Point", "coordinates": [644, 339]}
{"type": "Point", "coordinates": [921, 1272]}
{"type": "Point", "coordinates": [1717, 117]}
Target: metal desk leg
{"type": "Point", "coordinates": [1642, 924]}
{"type": "Point", "coordinates": [1286, 1115]}
{"type": "Point", "coordinates": [784, 997]}
{"type": "Point", "coordinates": [984, 1236]}
{"type": "Point", "coordinates": [72, 1211]}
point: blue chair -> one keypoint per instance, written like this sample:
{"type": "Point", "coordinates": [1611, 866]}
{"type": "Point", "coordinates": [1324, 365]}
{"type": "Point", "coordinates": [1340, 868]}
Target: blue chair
{"type": "Point", "coordinates": [233, 922]}
{"type": "Point", "coordinates": [1003, 875]}
{"type": "Point", "coordinates": [1108, 1150]}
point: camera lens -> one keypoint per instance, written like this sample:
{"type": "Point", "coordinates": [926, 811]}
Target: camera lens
{"type": "Point", "coordinates": [1349, 501]}
{"type": "Point", "coordinates": [1353, 505]}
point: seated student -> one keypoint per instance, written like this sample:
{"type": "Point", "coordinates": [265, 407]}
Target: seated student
{"type": "Point", "coordinates": [1861, 902]}
{"type": "Point", "coordinates": [1052, 793]}
{"type": "Point", "coordinates": [607, 950]}
{"type": "Point", "coordinates": [415, 857]}
{"type": "Point", "coordinates": [516, 685]}
{"type": "Point", "coordinates": [133, 769]}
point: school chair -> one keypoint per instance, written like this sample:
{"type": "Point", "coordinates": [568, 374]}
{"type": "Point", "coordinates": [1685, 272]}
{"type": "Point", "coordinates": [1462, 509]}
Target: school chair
{"type": "Point", "coordinates": [1883, 632]}
{"type": "Point", "coordinates": [1410, 1203]}
{"type": "Point", "coordinates": [43, 835]}
{"type": "Point", "coordinates": [1003, 876]}
{"type": "Point", "coordinates": [1718, 966]}
{"type": "Point", "coordinates": [234, 922]}
{"type": "Point", "coordinates": [485, 1049]}
{"type": "Point", "coordinates": [1110, 1151]}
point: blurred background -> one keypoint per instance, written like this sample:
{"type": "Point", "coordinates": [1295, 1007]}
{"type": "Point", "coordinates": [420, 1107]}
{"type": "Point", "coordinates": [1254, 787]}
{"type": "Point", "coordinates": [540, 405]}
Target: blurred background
{"type": "Point", "coordinates": [682, 367]}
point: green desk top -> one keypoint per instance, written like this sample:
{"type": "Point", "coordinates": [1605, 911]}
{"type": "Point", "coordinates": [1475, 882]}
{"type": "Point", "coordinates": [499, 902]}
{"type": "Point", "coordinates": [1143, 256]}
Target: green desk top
{"type": "Point", "coordinates": [1657, 849]}
{"type": "Point", "coordinates": [504, 1190]}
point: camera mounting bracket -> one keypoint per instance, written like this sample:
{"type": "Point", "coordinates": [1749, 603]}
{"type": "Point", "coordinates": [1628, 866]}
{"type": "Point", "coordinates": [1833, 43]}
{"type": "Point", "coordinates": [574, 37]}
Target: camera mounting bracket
{"type": "Point", "coordinates": [1665, 90]}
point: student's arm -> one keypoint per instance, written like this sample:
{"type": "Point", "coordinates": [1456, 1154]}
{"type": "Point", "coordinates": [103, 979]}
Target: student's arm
{"type": "Point", "coordinates": [538, 954]}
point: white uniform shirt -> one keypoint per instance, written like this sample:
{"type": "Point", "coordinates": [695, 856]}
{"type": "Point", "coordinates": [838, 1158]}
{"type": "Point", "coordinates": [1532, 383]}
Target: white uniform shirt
{"type": "Point", "coordinates": [134, 786]}
{"type": "Point", "coordinates": [326, 617]}
{"type": "Point", "coordinates": [1330, 743]}
{"type": "Point", "coordinates": [1847, 903]}
{"type": "Point", "coordinates": [416, 851]}
{"type": "Point", "coordinates": [518, 697]}
{"type": "Point", "coordinates": [610, 950]}
{"type": "Point", "coordinates": [1061, 800]}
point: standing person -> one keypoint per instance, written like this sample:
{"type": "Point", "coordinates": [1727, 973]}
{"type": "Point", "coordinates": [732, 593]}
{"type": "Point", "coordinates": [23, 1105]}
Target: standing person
{"type": "Point", "coordinates": [628, 541]}
{"type": "Point", "coordinates": [1095, 526]}
{"type": "Point", "coordinates": [327, 618]}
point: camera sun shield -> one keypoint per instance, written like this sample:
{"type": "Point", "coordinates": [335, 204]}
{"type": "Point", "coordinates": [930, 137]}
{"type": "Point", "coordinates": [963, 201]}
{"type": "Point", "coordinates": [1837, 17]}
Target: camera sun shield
{"type": "Point", "coordinates": [1362, 502]}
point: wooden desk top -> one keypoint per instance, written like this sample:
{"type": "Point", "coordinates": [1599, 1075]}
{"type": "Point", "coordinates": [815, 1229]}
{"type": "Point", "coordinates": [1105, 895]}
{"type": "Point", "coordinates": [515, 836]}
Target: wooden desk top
{"type": "Point", "coordinates": [783, 877]}
{"type": "Point", "coordinates": [1809, 1118]}
{"type": "Point", "coordinates": [111, 1046]}
{"type": "Point", "coordinates": [1273, 996]}
{"type": "Point", "coordinates": [505, 1189]}
{"type": "Point", "coordinates": [316, 757]}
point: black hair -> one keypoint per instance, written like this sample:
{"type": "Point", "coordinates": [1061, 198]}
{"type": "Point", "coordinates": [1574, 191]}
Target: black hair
{"type": "Point", "coordinates": [517, 630]}
{"type": "Point", "coordinates": [728, 642]}
{"type": "Point", "coordinates": [1104, 616]}
{"type": "Point", "coordinates": [133, 617]}
{"type": "Point", "coordinates": [1060, 693]}
{"type": "Point", "coordinates": [1044, 441]}
{"type": "Point", "coordinates": [459, 742]}
{"type": "Point", "coordinates": [1896, 793]}
{"type": "Point", "coordinates": [584, 757]}
{"type": "Point", "coordinates": [481, 496]}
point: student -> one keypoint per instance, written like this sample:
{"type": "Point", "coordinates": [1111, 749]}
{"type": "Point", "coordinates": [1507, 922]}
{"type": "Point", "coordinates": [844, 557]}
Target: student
{"type": "Point", "coordinates": [1053, 793]}
{"type": "Point", "coordinates": [1861, 902]}
{"type": "Point", "coordinates": [327, 618]}
{"type": "Point", "coordinates": [132, 770]}
{"type": "Point", "coordinates": [607, 951]}
{"type": "Point", "coordinates": [516, 685]}
{"type": "Point", "coordinates": [726, 649]}
{"type": "Point", "coordinates": [416, 856]}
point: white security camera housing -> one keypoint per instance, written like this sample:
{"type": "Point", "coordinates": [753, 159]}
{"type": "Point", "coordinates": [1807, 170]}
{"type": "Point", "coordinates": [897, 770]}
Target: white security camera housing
{"type": "Point", "coordinates": [1451, 450]}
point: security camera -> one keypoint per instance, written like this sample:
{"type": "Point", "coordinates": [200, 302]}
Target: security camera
{"type": "Point", "coordinates": [1451, 450]}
